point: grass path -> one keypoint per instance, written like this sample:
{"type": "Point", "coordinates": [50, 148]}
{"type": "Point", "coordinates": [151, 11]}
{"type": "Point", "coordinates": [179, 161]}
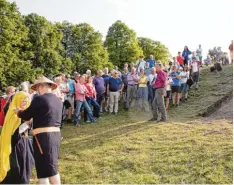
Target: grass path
{"type": "Point", "coordinates": [128, 149]}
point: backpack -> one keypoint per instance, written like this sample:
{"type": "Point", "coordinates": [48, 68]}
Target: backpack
{"type": "Point", "coordinates": [3, 102]}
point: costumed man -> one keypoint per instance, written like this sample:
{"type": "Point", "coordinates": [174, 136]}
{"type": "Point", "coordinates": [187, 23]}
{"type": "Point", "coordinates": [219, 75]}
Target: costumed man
{"type": "Point", "coordinates": [45, 110]}
{"type": "Point", "coordinates": [16, 153]}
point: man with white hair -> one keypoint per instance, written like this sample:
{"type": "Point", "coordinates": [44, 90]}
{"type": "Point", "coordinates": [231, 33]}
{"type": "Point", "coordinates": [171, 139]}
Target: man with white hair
{"type": "Point", "coordinates": [152, 78]}
{"type": "Point", "coordinates": [106, 78]}
{"type": "Point", "coordinates": [88, 72]}
{"type": "Point", "coordinates": [114, 87]}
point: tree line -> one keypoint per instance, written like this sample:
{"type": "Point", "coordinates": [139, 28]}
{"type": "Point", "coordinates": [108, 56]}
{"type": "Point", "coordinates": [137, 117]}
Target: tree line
{"type": "Point", "coordinates": [30, 46]}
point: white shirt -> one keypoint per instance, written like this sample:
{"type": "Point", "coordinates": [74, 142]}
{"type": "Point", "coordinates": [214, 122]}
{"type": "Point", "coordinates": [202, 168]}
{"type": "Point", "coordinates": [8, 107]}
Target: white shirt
{"type": "Point", "coordinates": [152, 78]}
{"type": "Point", "coordinates": [168, 86]}
{"type": "Point", "coordinates": [199, 52]}
{"type": "Point", "coordinates": [194, 66]}
{"type": "Point", "coordinates": [140, 65]}
{"type": "Point", "coordinates": [184, 76]}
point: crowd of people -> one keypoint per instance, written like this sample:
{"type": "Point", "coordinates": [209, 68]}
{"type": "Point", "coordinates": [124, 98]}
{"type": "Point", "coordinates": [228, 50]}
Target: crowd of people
{"type": "Point", "coordinates": [46, 105]}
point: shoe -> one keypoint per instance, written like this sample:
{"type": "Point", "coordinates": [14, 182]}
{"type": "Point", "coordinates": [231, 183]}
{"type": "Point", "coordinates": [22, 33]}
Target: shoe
{"type": "Point", "coordinates": [177, 105]}
{"type": "Point", "coordinates": [186, 100]}
{"type": "Point", "coordinates": [77, 124]}
{"type": "Point", "coordinates": [162, 120]}
{"type": "Point", "coordinates": [116, 113]}
{"type": "Point", "coordinates": [94, 121]}
{"type": "Point", "coordinates": [153, 119]}
{"type": "Point", "coordinates": [173, 105]}
{"type": "Point", "coordinates": [88, 121]}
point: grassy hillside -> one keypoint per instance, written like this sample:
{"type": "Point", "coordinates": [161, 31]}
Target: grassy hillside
{"type": "Point", "coordinates": [128, 149]}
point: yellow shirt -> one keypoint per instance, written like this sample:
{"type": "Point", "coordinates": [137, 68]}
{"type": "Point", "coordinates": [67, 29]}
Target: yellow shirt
{"type": "Point", "coordinates": [143, 79]}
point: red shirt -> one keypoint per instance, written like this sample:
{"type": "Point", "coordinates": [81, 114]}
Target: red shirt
{"type": "Point", "coordinates": [160, 80]}
{"type": "Point", "coordinates": [180, 60]}
{"type": "Point", "coordinates": [90, 90]}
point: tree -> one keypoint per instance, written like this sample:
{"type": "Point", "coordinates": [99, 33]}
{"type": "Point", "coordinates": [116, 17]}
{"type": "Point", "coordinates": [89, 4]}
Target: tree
{"type": "Point", "coordinates": [45, 39]}
{"type": "Point", "coordinates": [84, 46]}
{"type": "Point", "coordinates": [155, 48]}
{"type": "Point", "coordinates": [15, 65]}
{"type": "Point", "coordinates": [122, 44]}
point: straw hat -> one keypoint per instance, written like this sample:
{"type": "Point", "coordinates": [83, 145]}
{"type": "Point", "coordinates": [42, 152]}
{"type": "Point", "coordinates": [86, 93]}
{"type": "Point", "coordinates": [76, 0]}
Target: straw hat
{"type": "Point", "coordinates": [42, 80]}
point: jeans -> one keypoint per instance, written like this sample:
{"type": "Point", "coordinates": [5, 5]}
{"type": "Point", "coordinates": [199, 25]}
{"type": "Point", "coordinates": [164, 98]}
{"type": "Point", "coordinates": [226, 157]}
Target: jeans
{"type": "Point", "coordinates": [114, 101]}
{"type": "Point", "coordinates": [150, 94]}
{"type": "Point", "coordinates": [143, 95]}
{"type": "Point", "coordinates": [96, 108]}
{"type": "Point", "coordinates": [158, 104]}
{"type": "Point", "coordinates": [78, 108]}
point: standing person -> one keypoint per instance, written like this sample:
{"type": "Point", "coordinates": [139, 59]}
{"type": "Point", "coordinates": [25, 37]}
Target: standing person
{"type": "Point", "coordinates": [151, 80]}
{"type": "Point", "coordinates": [186, 54]}
{"type": "Point", "coordinates": [88, 73]}
{"type": "Point", "coordinates": [169, 82]}
{"type": "Point", "coordinates": [158, 103]}
{"type": "Point", "coordinates": [175, 87]}
{"type": "Point", "coordinates": [195, 72]}
{"type": "Point", "coordinates": [130, 68]}
{"type": "Point", "coordinates": [81, 91]}
{"type": "Point", "coordinates": [147, 69]}
{"type": "Point", "coordinates": [184, 86]}
{"type": "Point", "coordinates": [143, 91]}
{"type": "Point", "coordinates": [199, 53]}
{"type": "Point", "coordinates": [45, 110]}
{"type": "Point", "coordinates": [106, 78]}
{"type": "Point", "coordinates": [99, 84]}
{"type": "Point", "coordinates": [125, 82]}
{"type": "Point", "coordinates": [140, 64]}
{"type": "Point", "coordinates": [91, 97]}
{"type": "Point", "coordinates": [132, 88]}
{"type": "Point", "coordinates": [231, 51]}
{"type": "Point", "coordinates": [180, 59]}
{"type": "Point", "coordinates": [114, 87]}
{"type": "Point", "coordinates": [16, 155]}
{"type": "Point", "coordinates": [151, 61]}
{"type": "Point", "coordinates": [10, 91]}
{"type": "Point", "coordinates": [70, 95]}
{"type": "Point", "coordinates": [175, 63]}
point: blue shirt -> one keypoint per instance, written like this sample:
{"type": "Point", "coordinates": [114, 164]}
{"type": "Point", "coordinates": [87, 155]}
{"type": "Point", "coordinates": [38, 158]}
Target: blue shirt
{"type": "Point", "coordinates": [176, 81]}
{"type": "Point", "coordinates": [71, 86]}
{"type": "Point", "coordinates": [106, 78]}
{"type": "Point", "coordinates": [185, 54]}
{"type": "Point", "coordinates": [151, 63]}
{"type": "Point", "coordinates": [114, 84]}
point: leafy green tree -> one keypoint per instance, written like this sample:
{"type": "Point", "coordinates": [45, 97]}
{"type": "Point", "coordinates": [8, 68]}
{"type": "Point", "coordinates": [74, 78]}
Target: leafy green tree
{"type": "Point", "coordinates": [15, 65]}
{"type": "Point", "coordinates": [122, 44]}
{"type": "Point", "coordinates": [155, 48]}
{"type": "Point", "coordinates": [83, 45]}
{"type": "Point", "coordinates": [45, 39]}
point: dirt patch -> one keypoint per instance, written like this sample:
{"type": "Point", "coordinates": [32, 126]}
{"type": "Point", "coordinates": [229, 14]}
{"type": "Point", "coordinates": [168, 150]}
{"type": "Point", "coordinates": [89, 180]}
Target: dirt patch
{"type": "Point", "coordinates": [225, 112]}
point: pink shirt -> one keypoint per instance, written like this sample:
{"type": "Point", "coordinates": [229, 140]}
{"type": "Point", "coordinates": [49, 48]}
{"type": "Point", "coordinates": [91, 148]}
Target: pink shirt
{"type": "Point", "coordinates": [160, 80]}
{"type": "Point", "coordinates": [80, 91]}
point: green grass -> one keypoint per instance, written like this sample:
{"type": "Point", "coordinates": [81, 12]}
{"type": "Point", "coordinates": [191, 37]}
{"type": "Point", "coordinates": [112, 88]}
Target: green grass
{"type": "Point", "coordinates": [128, 149]}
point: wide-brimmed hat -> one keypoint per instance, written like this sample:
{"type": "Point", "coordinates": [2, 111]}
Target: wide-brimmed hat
{"type": "Point", "coordinates": [42, 80]}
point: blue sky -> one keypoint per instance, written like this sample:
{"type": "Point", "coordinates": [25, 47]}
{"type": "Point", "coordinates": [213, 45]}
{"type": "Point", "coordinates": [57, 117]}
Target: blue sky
{"type": "Point", "coordinates": [175, 23]}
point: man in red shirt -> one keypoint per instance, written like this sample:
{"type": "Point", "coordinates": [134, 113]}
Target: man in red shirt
{"type": "Point", "coordinates": [158, 102]}
{"type": "Point", "coordinates": [231, 51]}
{"type": "Point", "coordinates": [180, 59]}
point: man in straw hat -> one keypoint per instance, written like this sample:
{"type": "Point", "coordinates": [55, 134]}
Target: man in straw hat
{"type": "Point", "coordinates": [45, 109]}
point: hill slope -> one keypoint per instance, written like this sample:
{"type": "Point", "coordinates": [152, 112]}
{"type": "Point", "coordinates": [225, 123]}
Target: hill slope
{"type": "Point", "coordinates": [128, 149]}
